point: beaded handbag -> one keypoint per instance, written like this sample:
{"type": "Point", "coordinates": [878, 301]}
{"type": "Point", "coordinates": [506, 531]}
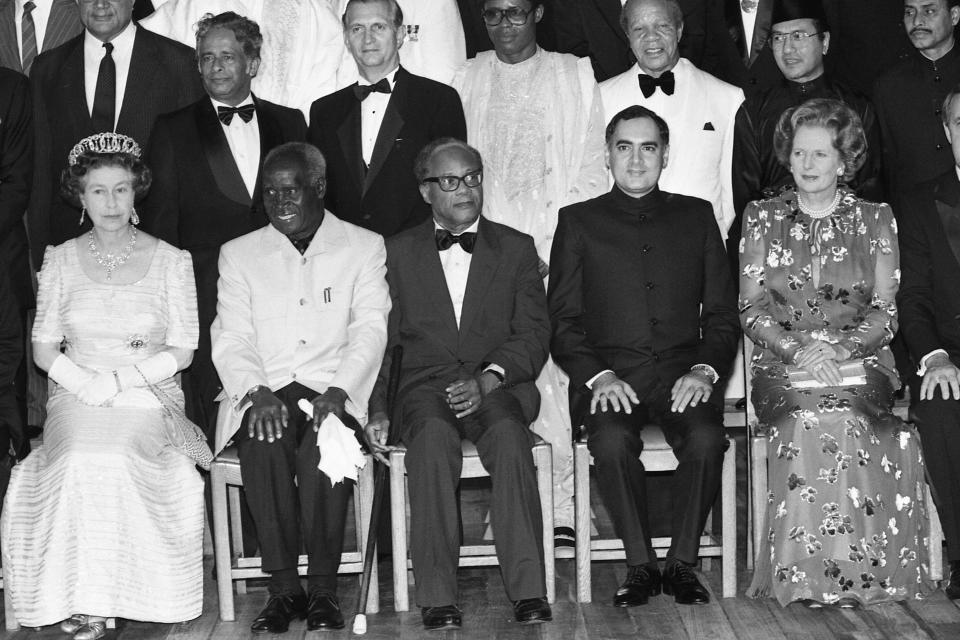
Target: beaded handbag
{"type": "Point", "coordinates": [181, 433]}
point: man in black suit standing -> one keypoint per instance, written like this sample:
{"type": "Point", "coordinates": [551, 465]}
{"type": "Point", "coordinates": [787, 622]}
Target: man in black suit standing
{"type": "Point", "coordinates": [206, 161]}
{"type": "Point", "coordinates": [645, 324]}
{"type": "Point", "coordinates": [470, 313]}
{"type": "Point", "coordinates": [746, 56]}
{"type": "Point", "coordinates": [112, 77]}
{"type": "Point", "coordinates": [30, 27]}
{"type": "Point", "coordinates": [929, 304]}
{"type": "Point", "coordinates": [371, 131]}
{"type": "Point", "coordinates": [16, 169]}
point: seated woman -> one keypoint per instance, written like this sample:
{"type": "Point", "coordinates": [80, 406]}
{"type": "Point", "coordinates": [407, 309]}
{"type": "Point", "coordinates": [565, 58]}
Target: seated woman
{"type": "Point", "coordinates": [105, 519]}
{"type": "Point", "coordinates": [819, 274]}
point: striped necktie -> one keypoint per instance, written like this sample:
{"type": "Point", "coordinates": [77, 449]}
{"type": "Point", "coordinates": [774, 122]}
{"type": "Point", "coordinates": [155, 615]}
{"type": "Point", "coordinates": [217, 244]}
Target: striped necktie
{"type": "Point", "coordinates": [28, 31]}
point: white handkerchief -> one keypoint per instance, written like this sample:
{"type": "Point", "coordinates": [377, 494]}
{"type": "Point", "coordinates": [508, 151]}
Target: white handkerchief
{"type": "Point", "coordinates": [340, 453]}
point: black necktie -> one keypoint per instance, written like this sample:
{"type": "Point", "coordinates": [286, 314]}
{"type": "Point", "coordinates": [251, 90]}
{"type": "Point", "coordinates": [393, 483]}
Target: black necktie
{"type": "Point", "coordinates": [363, 90]}
{"type": "Point", "coordinates": [226, 113]}
{"type": "Point", "coordinates": [445, 240]}
{"type": "Point", "coordinates": [649, 84]}
{"type": "Point", "coordinates": [105, 96]}
{"type": "Point", "coordinates": [28, 32]}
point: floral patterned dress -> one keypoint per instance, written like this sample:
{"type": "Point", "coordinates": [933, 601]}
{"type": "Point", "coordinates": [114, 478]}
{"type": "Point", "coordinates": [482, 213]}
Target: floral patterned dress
{"type": "Point", "coordinates": [846, 515]}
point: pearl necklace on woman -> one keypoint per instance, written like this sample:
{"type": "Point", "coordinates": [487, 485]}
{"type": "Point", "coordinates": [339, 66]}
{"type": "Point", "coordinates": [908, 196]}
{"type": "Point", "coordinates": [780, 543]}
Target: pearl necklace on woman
{"type": "Point", "coordinates": [111, 261]}
{"type": "Point", "coordinates": [818, 214]}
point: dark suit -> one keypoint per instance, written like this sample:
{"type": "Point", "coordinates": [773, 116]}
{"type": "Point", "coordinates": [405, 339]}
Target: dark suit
{"type": "Point", "coordinates": [592, 28]}
{"type": "Point", "coordinates": [627, 280]}
{"type": "Point", "coordinates": [11, 360]}
{"type": "Point", "coordinates": [504, 321]}
{"type": "Point", "coordinates": [62, 25]}
{"type": "Point", "coordinates": [754, 73]}
{"type": "Point", "coordinates": [162, 77]}
{"type": "Point", "coordinates": [384, 196]}
{"type": "Point", "coordinates": [929, 305]}
{"type": "Point", "coordinates": [199, 201]}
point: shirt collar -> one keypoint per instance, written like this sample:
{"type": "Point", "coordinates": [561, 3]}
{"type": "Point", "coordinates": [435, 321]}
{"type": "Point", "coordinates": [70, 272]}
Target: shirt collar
{"type": "Point", "coordinates": [122, 42]}
{"type": "Point", "coordinates": [245, 101]}
{"type": "Point", "coordinates": [471, 229]}
{"type": "Point", "coordinates": [957, 170]}
{"type": "Point", "coordinates": [39, 4]}
{"type": "Point", "coordinates": [391, 78]}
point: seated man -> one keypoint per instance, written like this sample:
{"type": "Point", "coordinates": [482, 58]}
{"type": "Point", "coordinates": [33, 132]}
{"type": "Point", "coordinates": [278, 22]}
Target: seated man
{"type": "Point", "coordinates": [301, 314]}
{"type": "Point", "coordinates": [473, 347]}
{"type": "Point", "coordinates": [645, 323]}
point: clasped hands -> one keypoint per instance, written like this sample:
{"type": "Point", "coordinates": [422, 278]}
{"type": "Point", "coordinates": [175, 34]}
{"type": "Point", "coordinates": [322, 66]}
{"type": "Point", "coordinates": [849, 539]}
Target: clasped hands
{"type": "Point", "coordinates": [610, 392]}
{"type": "Point", "coordinates": [821, 360]}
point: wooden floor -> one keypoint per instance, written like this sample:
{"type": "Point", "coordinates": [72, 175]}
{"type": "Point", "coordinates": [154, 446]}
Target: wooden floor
{"type": "Point", "coordinates": [487, 613]}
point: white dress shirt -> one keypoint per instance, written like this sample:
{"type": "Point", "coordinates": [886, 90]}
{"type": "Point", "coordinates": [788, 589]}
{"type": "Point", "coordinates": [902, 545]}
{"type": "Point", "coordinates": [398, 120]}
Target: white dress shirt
{"type": "Point", "coordinates": [372, 110]}
{"type": "Point", "coordinates": [41, 15]}
{"type": "Point", "coordinates": [749, 25]}
{"type": "Point", "coordinates": [456, 268]}
{"type": "Point", "coordinates": [93, 52]}
{"type": "Point", "coordinates": [244, 140]}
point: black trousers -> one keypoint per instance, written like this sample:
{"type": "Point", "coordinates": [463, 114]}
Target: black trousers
{"type": "Point", "coordinates": [938, 422]}
{"type": "Point", "coordinates": [287, 494]}
{"type": "Point", "coordinates": [698, 441]}
{"type": "Point", "coordinates": [432, 434]}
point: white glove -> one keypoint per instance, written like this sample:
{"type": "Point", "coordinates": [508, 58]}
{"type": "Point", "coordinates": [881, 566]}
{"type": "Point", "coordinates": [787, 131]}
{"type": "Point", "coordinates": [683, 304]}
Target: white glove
{"type": "Point", "coordinates": [68, 375]}
{"type": "Point", "coordinates": [152, 370]}
{"type": "Point", "coordinates": [101, 388]}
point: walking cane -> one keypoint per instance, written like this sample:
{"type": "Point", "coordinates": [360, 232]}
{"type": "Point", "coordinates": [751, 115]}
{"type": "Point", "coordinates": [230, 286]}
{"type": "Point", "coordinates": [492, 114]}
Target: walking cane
{"type": "Point", "coordinates": [360, 620]}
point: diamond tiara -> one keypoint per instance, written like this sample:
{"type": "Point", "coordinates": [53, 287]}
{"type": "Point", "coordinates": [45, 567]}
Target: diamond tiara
{"type": "Point", "coordinates": [107, 142]}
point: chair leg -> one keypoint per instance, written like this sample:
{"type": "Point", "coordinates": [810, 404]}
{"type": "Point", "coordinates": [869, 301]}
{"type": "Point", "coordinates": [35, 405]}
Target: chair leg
{"type": "Point", "coordinates": [581, 497]}
{"type": "Point", "coordinates": [10, 616]}
{"type": "Point", "coordinates": [363, 503]}
{"type": "Point", "coordinates": [543, 458]}
{"type": "Point", "coordinates": [728, 488]}
{"type": "Point", "coordinates": [398, 516]}
{"type": "Point", "coordinates": [758, 482]}
{"type": "Point", "coordinates": [221, 544]}
{"type": "Point", "coordinates": [935, 538]}
{"type": "Point", "coordinates": [236, 530]}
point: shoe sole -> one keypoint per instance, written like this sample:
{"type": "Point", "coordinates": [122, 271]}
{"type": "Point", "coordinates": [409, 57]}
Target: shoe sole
{"type": "Point", "coordinates": [443, 627]}
{"type": "Point", "coordinates": [535, 620]}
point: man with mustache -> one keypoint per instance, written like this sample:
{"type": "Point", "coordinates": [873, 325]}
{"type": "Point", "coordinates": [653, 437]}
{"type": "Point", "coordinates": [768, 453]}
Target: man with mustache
{"type": "Point", "coordinates": [909, 98]}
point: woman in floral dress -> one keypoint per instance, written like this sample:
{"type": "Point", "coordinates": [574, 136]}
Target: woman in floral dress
{"type": "Point", "coordinates": [819, 274]}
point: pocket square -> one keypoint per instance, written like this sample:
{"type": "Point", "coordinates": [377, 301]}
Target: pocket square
{"type": "Point", "coordinates": [708, 126]}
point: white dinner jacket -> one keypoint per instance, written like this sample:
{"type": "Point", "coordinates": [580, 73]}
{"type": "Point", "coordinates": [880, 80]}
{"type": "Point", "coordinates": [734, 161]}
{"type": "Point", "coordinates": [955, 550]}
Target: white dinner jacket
{"type": "Point", "coordinates": [701, 115]}
{"type": "Point", "coordinates": [319, 319]}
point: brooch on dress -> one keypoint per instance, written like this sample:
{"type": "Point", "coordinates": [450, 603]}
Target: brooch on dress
{"type": "Point", "coordinates": [138, 341]}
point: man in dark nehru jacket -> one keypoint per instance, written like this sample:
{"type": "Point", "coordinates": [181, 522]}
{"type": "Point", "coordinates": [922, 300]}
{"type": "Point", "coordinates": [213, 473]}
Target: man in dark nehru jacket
{"type": "Point", "coordinates": [800, 38]}
{"type": "Point", "coordinates": [206, 160]}
{"type": "Point", "coordinates": [909, 98]}
{"type": "Point", "coordinates": [929, 304]}
{"type": "Point", "coordinates": [645, 323]}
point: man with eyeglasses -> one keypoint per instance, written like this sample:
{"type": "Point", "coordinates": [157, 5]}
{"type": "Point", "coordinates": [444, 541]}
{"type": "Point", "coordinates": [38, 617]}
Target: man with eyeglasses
{"type": "Point", "coordinates": [537, 118]}
{"type": "Point", "coordinates": [699, 108]}
{"type": "Point", "coordinates": [909, 99]}
{"type": "Point", "coordinates": [371, 131]}
{"type": "Point", "coordinates": [800, 38]}
{"type": "Point", "coordinates": [470, 312]}
{"type": "Point", "coordinates": [302, 308]}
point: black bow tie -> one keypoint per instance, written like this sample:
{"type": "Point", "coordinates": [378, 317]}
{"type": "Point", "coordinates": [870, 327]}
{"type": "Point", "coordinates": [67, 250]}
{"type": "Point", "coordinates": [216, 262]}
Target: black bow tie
{"type": "Point", "coordinates": [226, 113]}
{"type": "Point", "coordinates": [649, 84]}
{"type": "Point", "coordinates": [445, 240]}
{"type": "Point", "coordinates": [363, 90]}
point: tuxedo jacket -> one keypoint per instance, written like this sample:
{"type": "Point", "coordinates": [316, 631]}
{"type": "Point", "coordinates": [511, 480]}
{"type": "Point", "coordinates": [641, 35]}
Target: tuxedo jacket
{"type": "Point", "coordinates": [929, 300]}
{"type": "Point", "coordinates": [640, 288]}
{"type": "Point", "coordinates": [62, 25]}
{"type": "Point", "coordinates": [16, 171]}
{"type": "Point", "coordinates": [383, 197]}
{"type": "Point", "coordinates": [504, 318]}
{"type": "Point", "coordinates": [591, 28]}
{"type": "Point", "coordinates": [162, 78]}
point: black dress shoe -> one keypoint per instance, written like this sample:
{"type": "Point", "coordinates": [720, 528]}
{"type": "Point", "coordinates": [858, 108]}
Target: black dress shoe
{"type": "Point", "coordinates": [531, 611]}
{"type": "Point", "coordinates": [953, 589]}
{"type": "Point", "coordinates": [680, 581]}
{"type": "Point", "coordinates": [280, 610]}
{"type": "Point", "coordinates": [323, 612]}
{"type": "Point", "coordinates": [445, 617]}
{"type": "Point", "coordinates": [642, 582]}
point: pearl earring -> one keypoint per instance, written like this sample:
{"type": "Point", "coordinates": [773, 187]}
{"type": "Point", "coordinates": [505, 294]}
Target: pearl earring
{"type": "Point", "coordinates": [839, 171]}
{"type": "Point", "coordinates": [134, 218]}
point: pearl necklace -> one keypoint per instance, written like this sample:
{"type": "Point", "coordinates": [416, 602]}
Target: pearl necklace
{"type": "Point", "coordinates": [111, 261]}
{"type": "Point", "coordinates": [818, 214]}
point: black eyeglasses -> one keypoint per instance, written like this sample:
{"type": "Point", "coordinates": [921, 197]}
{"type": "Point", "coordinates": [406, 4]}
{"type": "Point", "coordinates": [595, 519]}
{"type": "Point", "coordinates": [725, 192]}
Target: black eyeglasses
{"type": "Point", "coordinates": [514, 15]}
{"type": "Point", "coordinates": [451, 183]}
{"type": "Point", "coordinates": [796, 37]}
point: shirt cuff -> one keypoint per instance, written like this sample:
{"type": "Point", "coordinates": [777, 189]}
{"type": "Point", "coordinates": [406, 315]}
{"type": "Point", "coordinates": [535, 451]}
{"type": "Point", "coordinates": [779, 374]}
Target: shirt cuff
{"type": "Point", "coordinates": [922, 371]}
{"type": "Point", "coordinates": [707, 369]}
{"type": "Point", "coordinates": [589, 383]}
{"type": "Point", "coordinates": [496, 369]}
